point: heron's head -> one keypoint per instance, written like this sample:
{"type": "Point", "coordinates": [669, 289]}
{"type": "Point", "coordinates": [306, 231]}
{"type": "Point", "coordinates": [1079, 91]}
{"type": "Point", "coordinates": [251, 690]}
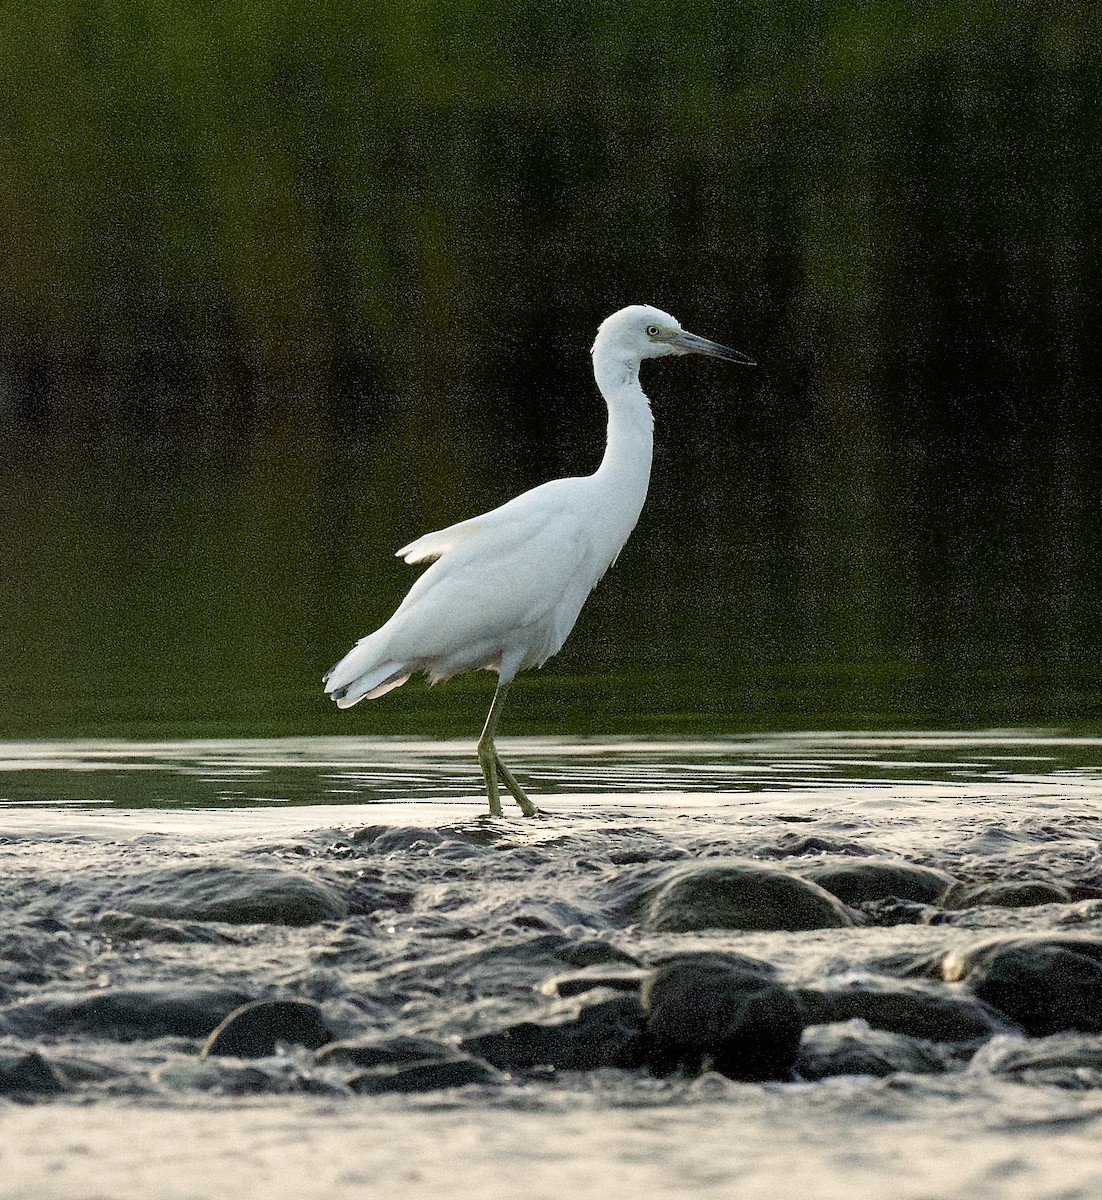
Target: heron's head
{"type": "Point", "coordinates": [643, 331]}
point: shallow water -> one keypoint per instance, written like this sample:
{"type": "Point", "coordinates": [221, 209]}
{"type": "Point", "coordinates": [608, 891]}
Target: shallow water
{"type": "Point", "coordinates": [225, 774]}
{"type": "Point", "coordinates": [467, 918]}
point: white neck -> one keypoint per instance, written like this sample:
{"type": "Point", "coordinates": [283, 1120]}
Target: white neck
{"type": "Point", "coordinates": [625, 469]}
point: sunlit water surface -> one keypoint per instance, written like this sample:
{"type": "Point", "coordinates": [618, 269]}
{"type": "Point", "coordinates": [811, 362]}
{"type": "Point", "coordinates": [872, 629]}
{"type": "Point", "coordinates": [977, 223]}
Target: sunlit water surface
{"type": "Point", "coordinates": [85, 826]}
{"type": "Point", "coordinates": [232, 773]}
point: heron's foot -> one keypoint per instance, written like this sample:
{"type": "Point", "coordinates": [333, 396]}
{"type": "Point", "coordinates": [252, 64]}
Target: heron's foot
{"type": "Point", "coordinates": [487, 760]}
{"type": "Point", "coordinates": [519, 794]}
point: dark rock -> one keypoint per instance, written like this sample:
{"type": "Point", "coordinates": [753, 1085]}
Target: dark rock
{"type": "Point", "coordinates": [608, 1033]}
{"type": "Point", "coordinates": [131, 928]}
{"type": "Point", "coordinates": [86, 1070]}
{"type": "Point", "coordinates": [922, 1010]}
{"type": "Point", "coordinates": [384, 839]}
{"type": "Point", "coordinates": [855, 882]}
{"type": "Point", "coordinates": [1012, 894]}
{"type": "Point", "coordinates": [235, 894]}
{"type": "Point", "coordinates": [255, 1030]}
{"type": "Point", "coordinates": [35, 949]}
{"type": "Point", "coordinates": [741, 896]}
{"type": "Point", "coordinates": [123, 1014]}
{"type": "Point", "coordinates": [534, 920]}
{"type": "Point", "coordinates": [593, 952]}
{"type": "Point", "coordinates": [711, 1015]}
{"type": "Point", "coordinates": [29, 1075]}
{"type": "Point", "coordinates": [366, 896]}
{"type": "Point", "coordinates": [476, 830]}
{"type": "Point", "coordinates": [796, 845]}
{"type": "Point", "coordinates": [1063, 1059]}
{"type": "Point", "coordinates": [854, 1048]}
{"type": "Point", "coordinates": [425, 1076]}
{"type": "Point", "coordinates": [457, 852]}
{"type": "Point", "coordinates": [730, 959]}
{"type": "Point", "coordinates": [1046, 984]}
{"type": "Point", "coordinates": [396, 1051]}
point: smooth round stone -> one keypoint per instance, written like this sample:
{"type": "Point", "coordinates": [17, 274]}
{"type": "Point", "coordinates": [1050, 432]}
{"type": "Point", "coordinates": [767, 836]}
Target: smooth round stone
{"type": "Point", "coordinates": [386, 839]}
{"type": "Point", "coordinates": [30, 1075]}
{"type": "Point", "coordinates": [426, 1077]}
{"type": "Point", "coordinates": [129, 927]}
{"type": "Point", "coordinates": [255, 1030]}
{"type": "Point", "coordinates": [742, 896]}
{"type": "Point", "coordinates": [397, 1051]}
{"type": "Point", "coordinates": [855, 1048]}
{"type": "Point", "coordinates": [593, 952]}
{"type": "Point", "coordinates": [1062, 1059]}
{"type": "Point", "coordinates": [606, 1033]}
{"type": "Point", "coordinates": [857, 881]}
{"type": "Point", "coordinates": [235, 894]}
{"type": "Point", "coordinates": [1014, 894]}
{"type": "Point", "coordinates": [1045, 984]}
{"type": "Point", "coordinates": [123, 1014]}
{"type": "Point", "coordinates": [730, 960]}
{"type": "Point", "coordinates": [710, 1015]}
{"type": "Point", "coordinates": [931, 1011]}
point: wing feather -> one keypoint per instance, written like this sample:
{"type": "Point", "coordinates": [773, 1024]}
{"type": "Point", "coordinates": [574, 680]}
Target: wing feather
{"type": "Point", "coordinates": [431, 546]}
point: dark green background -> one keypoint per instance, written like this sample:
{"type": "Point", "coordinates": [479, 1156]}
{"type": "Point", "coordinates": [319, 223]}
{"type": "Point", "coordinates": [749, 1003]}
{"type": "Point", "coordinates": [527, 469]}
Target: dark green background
{"type": "Point", "coordinates": [283, 285]}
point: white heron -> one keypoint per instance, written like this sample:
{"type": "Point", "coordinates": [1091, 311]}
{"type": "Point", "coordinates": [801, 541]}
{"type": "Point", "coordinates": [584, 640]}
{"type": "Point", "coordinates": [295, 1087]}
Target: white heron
{"type": "Point", "coordinates": [505, 588]}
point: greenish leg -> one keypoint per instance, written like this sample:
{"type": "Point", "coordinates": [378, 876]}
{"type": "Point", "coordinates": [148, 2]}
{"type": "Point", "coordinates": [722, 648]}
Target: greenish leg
{"type": "Point", "coordinates": [490, 761]}
{"type": "Point", "coordinates": [526, 806]}
{"type": "Point", "coordinates": [487, 757]}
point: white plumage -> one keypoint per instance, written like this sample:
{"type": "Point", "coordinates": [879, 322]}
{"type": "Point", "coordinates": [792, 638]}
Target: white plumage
{"type": "Point", "coordinates": [505, 588]}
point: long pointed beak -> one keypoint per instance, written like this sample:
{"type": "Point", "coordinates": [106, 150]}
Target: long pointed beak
{"type": "Point", "coordinates": [691, 344]}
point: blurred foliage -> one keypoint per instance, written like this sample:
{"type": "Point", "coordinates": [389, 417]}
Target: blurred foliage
{"type": "Point", "coordinates": [283, 285]}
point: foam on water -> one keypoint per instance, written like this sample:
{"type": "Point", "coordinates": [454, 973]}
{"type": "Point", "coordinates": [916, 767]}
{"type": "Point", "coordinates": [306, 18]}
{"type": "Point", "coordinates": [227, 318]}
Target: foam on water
{"type": "Point", "coordinates": [458, 925]}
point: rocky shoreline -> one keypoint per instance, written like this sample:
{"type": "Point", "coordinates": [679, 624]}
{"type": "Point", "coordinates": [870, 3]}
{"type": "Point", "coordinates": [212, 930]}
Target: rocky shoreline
{"type": "Point", "coordinates": [400, 958]}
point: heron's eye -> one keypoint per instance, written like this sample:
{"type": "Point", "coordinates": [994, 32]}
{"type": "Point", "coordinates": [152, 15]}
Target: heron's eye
{"type": "Point", "coordinates": [653, 331]}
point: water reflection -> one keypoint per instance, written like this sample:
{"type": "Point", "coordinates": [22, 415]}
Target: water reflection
{"type": "Point", "coordinates": [282, 292]}
{"type": "Point", "coordinates": [335, 771]}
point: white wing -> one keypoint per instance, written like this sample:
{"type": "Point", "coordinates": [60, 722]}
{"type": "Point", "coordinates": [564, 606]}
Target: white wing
{"type": "Point", "coordinates": [517, 582]}
{"type": "Point", "coordinates": [503, 591]}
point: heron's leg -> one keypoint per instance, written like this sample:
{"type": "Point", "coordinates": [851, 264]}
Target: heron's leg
{"type": "Point", "coordinates": [487, 753]}
{"type": "Point", "coordinates": [526, 805]}
{"type": "Point", "coordinates": [490, 761]}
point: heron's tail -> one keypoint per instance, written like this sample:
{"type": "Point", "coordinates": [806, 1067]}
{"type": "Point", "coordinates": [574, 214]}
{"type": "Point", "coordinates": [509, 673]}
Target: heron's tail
{"type": "Point", "coordinates": [364, 675]}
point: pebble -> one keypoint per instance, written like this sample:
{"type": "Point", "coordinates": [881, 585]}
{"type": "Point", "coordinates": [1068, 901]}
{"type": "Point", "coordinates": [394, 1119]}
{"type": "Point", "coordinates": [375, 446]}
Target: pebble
{"type": "Point", "coordinates": [706, 1014]}
{"type": "Point", "coordinates": [426, 1076]}
{"type": "Point", "coordinates": [606, 1033]}
{"type": "Point", "coordinates": [1013, 894]}
{"type": "Point", "coordinates": [741, 895]}
{"type": "Point", "coordinates": [397, 1051]}
{"type": "Point", "coordinates": [255, 1030]}
{"type": "Point", "coordinates": [1061, 1059]}
{"type": "Point", "coordinates": [123, 1014]}
{"type": "Point", "coordinates": [131, 928]}
{"type": "Point", "coordinates": [855, 1048]}
{"type": "Point", "coordinates": [30, 1074]}
{"type": "Point", "coordinates": [923, 1010]}
{"type": "Point", "coordinates": [866, 879]}
{"type": "Point", "coordinates": [1044, 983]}
{"type": "Point", "coordinates": [231, 893]}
